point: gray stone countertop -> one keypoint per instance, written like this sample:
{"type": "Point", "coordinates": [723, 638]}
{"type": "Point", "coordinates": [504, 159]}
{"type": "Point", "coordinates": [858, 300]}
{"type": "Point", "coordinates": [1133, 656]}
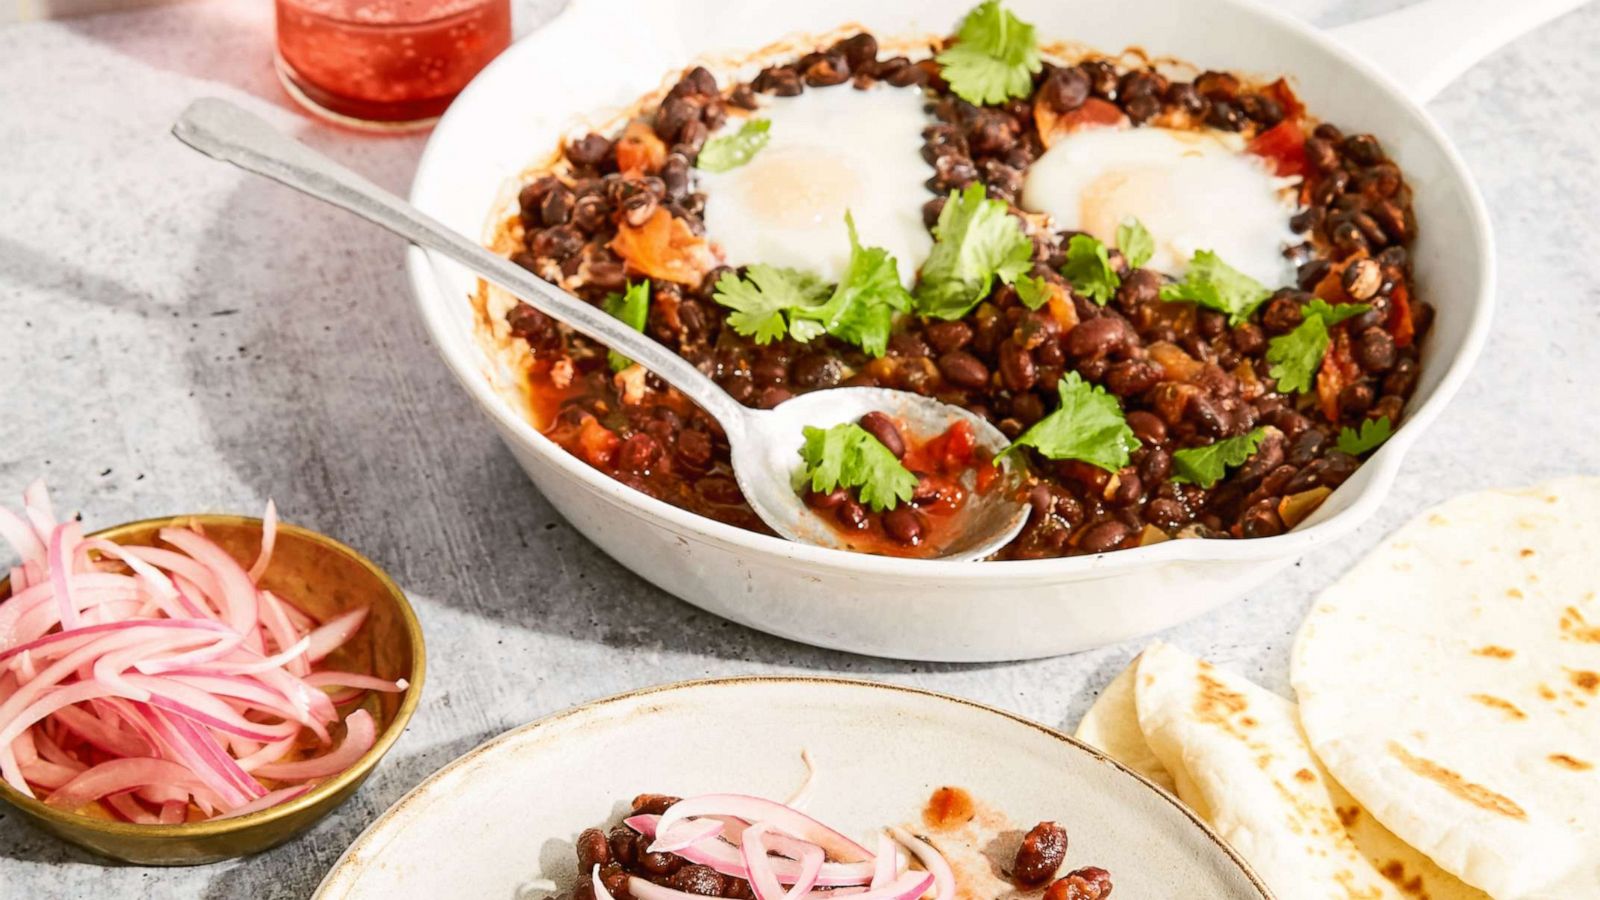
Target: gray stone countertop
{"type": "Point", "coordinates": [181, 337]}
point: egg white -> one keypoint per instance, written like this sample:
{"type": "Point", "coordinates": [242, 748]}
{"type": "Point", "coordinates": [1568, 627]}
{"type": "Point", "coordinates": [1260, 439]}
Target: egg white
{"type": "Point", "coordinates": [829, 151]}
{"type": "Point", "coordinates": [1192, 190]}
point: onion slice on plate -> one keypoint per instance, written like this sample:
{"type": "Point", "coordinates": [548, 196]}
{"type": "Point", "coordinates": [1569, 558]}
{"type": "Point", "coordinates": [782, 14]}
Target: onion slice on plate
{"type": "Point", "coordinates": [756, 809]}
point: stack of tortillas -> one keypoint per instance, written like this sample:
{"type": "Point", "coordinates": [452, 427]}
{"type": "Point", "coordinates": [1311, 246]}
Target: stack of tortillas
{"type": "Point", "coordinates": [1447, 741]}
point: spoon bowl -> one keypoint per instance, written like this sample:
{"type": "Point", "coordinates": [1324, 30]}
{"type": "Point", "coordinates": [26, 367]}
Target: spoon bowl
{"type": "Point", "coordinates": [765, 467]}
{"type": "Point", "coordinates": [763, 443]}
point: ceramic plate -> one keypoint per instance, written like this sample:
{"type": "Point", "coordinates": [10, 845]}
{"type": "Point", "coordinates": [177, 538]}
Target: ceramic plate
{"type": "Point", "coordinates": [494, 822]}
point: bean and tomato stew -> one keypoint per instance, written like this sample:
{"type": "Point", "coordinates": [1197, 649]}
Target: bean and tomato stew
{"type": "Point", "coordinates": [1223, 443]}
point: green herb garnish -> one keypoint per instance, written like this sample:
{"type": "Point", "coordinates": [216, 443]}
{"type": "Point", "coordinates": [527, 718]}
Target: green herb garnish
{"type": "Point", "coordinates": [770, 302]}
{"type": "Point", "coordinates": [994, 58]}
{"type": "Point", "coordinates": [632, 308]}
{"type": "Point", "coordinates": [1205, 466]}
{"type": "Point", "coordinates": [863, 305]}
{"type": "Point", "coordinates": [762, 299]}
{"type": "Point", "coordinates": [1372, 434]}
{"type": "Point", "coordinates": [1135, 242]}
{"type": "Point", "coordinates": [1213, 284]}
{"type": "Point", "coordinates": [1088, 426]}
{"type": "Point", "coordinates": [1296, 356]}
{"type": "Point", "coordinates": [848, 455]}
{"type": "Point", "coordinates": [1088, 269]}
{"type": "Point", "coordinates": [975, 242]}
{"type": "Point", "coordinates": [730, 151]}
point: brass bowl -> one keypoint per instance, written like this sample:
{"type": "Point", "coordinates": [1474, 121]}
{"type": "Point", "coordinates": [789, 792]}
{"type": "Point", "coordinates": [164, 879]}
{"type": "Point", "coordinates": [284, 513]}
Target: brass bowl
{"type": "Point", "coordinates": [325, 578]}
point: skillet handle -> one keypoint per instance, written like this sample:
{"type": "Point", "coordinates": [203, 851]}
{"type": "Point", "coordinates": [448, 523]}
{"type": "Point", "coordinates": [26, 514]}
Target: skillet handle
{"type": "Point", "coordinates": [1426, 45]}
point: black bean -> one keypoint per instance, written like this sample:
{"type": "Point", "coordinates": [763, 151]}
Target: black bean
{"type": "Point", "coordinates": [1104, 536]}
{"type": "Point", "coordinates": [1017, 370]}
{"type": "Point", "coordinates": [962, 369]}
{"type": "Point", "coordinates": [1043, 850]}
{"type": "Point", "coordinates": [589, 150]}
{"type": "Point", "coordinates": [1166, 513]}
{"type": "Point", "coordinates": [858, 50]}
{"type": "Point", "coordinates": [851, 515]}
{"type": "Point", "coordinates": [1281, 314]}
{"type": "Point", "coordinates": [1065, 89]}
{"type": "Point", "coordinates": [1362, 149]}
{"type": "Point", "coordinates": [883, 428]}
{"type": "Point", "coordinates": [556, 207]}
{"type": "Point", "coordinates": [903, 524]}
{"type": "Point", "coordinates": [1361, 279]}
{"type": "Point", "coordinates": [947, 336]}
{"type": "Point", "coordinates": [1182, 94]}
{"type": "Point", "coordinates": [1261, 520]}
{"type": "Point", "coordinates": [1375, 350]}
{"type": "Point", "coordinates": [702, 880]}
{"type": "Point", "coordinates": [1099, 337]}
{"type": "Point", "coordinates": [1217, 85]}
{"type": "Point", "coordinates": [1131, 377]}
{"type": "Point", "coordinates": [818, 370]}
{"type": "Point", "coordinates": [593, 850]}
{"type": "Point", "coordinates": [1311, 272]}
{"type": "Point", "coordinates": [1147, 426]}
{"type": "Point", "coordinates": [1402, 378]}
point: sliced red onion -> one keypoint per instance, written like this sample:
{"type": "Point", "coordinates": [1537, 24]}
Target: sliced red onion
{"type": "Point", "coordinates": [169, 667]}
{"type": "Point", "coordinates": [360, 733]}
{"type": "Point", "coordinates": [802, 794]}
{"type": "Point", "coordinates": [691, 831]}
{"type": "Point", "coordinates": [763, 880]}
{"type": "Point", "coordinates": [776, 815]}
{"type": "Point", "coordinates": [944, 879]}
{"type": "Point", "coordinates": [909, 886]}
{"type": "Point", "coordinates": [269, 539]}
{"type": "Point", "coordinates": [120, 775]}
{"type": "Point", "coordinates": [724, 857]}
{"type": "Point", "coordinates": [887, 861]}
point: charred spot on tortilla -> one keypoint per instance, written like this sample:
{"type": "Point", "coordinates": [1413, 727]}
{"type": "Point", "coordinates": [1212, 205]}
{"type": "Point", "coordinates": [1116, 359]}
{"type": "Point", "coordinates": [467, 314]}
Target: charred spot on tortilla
{"type": "Point", "coordinates": [1494, 652]}
{"type": "Point", "coordinates": [1571, 762]}
{"type": "Point", "coordinates": [1506, 706]}
{"type": "Point", "coordinates": [1452, 781]}
{"type": "Point", "coordinates": [1585, 680]}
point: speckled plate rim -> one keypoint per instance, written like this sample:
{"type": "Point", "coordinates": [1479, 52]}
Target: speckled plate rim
{"type": "Point", "coordinates": [347, 870]}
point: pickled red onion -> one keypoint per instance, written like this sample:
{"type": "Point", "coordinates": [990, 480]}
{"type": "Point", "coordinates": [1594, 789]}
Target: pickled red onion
{"type": "Point", "coordinates": [756, 809]}
{"type": "Point", "coordinates": [159, 681]}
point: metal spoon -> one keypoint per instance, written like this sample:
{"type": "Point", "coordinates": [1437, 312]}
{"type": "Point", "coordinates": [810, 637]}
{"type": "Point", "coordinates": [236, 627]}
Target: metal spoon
{"type": "Point", "coordinates": [765, 443]}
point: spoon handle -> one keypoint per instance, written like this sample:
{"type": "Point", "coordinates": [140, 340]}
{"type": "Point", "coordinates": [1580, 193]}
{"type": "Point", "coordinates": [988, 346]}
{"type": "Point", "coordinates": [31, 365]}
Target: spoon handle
{"type": "Point", "coordinates": [224, 131]}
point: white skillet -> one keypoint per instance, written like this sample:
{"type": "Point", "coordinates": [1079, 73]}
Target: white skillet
{"type": "Point", "coordinates": [601, 55]}
{"type": "Point", "coordinates": [494, 821]}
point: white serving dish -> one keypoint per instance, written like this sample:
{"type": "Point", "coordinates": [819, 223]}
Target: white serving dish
{"type": "Point", "coordinates": [490, 824]}
{"type": "Point", "coordinates": [599, 56]}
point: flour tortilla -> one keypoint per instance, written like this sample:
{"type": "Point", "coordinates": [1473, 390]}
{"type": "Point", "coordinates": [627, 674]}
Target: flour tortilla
{"type": "Point", "coordinates": [1305, 838]}
{"type": "Point", "coordinates": [1451, 681]}
{"type": "Point", "coordinates": [1112, 726]}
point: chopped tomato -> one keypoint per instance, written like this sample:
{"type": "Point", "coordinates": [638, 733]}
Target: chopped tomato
{"type": "Point", "coordinates": [1094, 113]}
{"type": "Point", "coordinates": [1284, 147]}
{"type": "Point", "coordinates": [1331, 287]}
{"type": "Point", "coordinates": [1061, 308]}
{"type": "Point", "coordinates": [664, 247]}
{"type": "Point", "coordinates": [1175, 363]}
{"type": "Point", "coordinates": [639, 150]}
{"type": "Point", "coordinates": [1280, 91]}
{"type": "Point", "coordinates": [597, 443]}
{"type": "Point", "coordinates": [986, 475]}
{"type": "Point", "coordinates": [1401, 325]}
{"type": "Point", "coordinates": [959, 443]}
{"type": "Point", "coordinates": [1338, 370]}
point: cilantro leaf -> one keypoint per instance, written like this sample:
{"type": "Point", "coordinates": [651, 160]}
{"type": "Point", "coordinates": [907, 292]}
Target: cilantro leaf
{"type": "Point", "coordinates": [760, 300]}
{"type": "Point", "coordinates": [633, 308]}
{"type": "Point", "coordinates": [1088, 426]}
{"type": "Point", "coordinates": [730, 151]}
{"type": "Point", "coordinates": [994, 58]}
{"type": "Point", "coordinates": [862, 307]}
{"type": "Point", "coordinates": [1333, 314]}
{"type": "Point", "coordinates": [1296, 356]}
{"type": "Point", "coordinates": [849, 455]}
{"type": "Point", "coordinates": [1088, 268]}
{"type": "Point", "coordinates": [1373, 433]}
{"type": "Point", "coordinates": [1033, 291]}
{"type": "Point", "coordinates": [1205, 466]}
{"type": "Point", "coordinates": [1135, 242]}
{"type": "Point", "coordinates": [1213, 284]}
{"type": "Point", "coordinates": [975, 241]}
